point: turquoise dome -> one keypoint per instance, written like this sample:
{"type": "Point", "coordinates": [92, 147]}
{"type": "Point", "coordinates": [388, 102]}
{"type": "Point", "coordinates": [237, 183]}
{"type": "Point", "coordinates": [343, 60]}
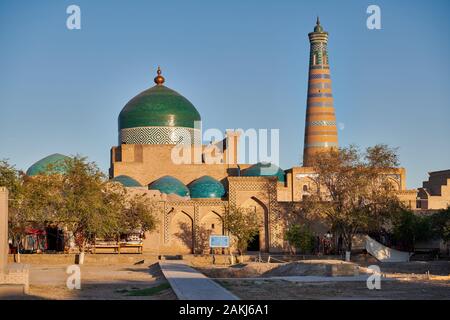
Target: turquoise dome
{"type": "Point", "coordinates": [169, 185]}
{"type": "Point", "coordinates": [56, 161]}
{"type": "Point", "coordinates": [262, 169]}
{"type": "Point", "coordinates": [127, 181]}
{"type": "Point", "coordinates": [206, 187]}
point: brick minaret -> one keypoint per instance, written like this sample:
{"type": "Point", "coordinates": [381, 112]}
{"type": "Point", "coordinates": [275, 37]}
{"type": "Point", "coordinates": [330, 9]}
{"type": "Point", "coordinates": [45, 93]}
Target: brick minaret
{"type": "Point", "coordinates": [320, 126]}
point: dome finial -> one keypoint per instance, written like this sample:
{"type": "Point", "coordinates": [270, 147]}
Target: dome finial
{"type": "Point", "coordinates": [318, 27]}
{"type": "Point", "coordinates": [159, 79]}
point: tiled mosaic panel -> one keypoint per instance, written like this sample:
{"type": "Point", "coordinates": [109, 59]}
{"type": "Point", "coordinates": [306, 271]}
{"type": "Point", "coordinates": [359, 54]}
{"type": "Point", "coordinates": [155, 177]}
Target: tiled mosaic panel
{"type": "Point", "coordinates": [319, 76]}
{"type": "Point", "coordinates": [321, 123]}
{"type": "Point", "coordinates": [160, 135]}
{"type": "Point", "coordinates": [319, 49]}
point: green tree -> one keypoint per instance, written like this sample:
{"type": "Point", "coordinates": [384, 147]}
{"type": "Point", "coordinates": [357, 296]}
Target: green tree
{"type": "Point", "coordinates": [299, 237]}
{"type": "Point", "coordinates": [409, 228]}
{"type": "Point", "coordinates": [353, 191]}
{"type": "Point", "coordinates": [139, 212]}
{"type": "Point", "coordinates": [32, 200]}
{"type": "Point", "coordinates": [12, 179]}
{"type": "Point", "coordinates": [242, 225]}
{"type": "Point", "coordinates": [41, 199]}
{"type": "Point", "coordinates": [94, 207]}
{"type": "Point", "coordinates": [76, 194]}
{"type": "Point", "coordinates": [440, 223]}
{"type": "Point", "coordinates": [90, 208]}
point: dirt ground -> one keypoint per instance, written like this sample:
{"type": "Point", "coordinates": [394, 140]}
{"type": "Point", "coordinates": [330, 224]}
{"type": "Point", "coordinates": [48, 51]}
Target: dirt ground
{"type": "Point", "coordinates": [286, 290]}
{"type": "Point", "coordinates": [110, 282]}
{"type": "Point", "coordinates": [299, 268]}
{"type": "Point", "coordinates": [411, 280]}
{"type": "Point", "coordinates": [144, 280]}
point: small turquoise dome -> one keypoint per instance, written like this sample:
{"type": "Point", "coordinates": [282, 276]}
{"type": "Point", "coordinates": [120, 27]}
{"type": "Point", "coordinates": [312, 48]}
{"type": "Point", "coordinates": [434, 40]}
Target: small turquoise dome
{"type": "Point", "coordinates": [168, 185]}
{"type": "Point", "coordinates": [55, 161]}
{"type": "Point", "coordinates": [127, 181]}
{"type": "Point", "coordinates": [264, 169]}
{"type": "Point", "coordinates": [206, 187]}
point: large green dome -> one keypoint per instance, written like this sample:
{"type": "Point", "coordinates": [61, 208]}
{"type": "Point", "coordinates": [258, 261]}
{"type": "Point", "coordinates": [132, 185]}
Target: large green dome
{"type": "Point", "coordinates": [265, 169]}
{"type": "Point", "coordinates": [158, 106]}
{"type": "Point", "coordinates": [206, 187]}
{"type": "Point", "coordinates": [158, 115]}
{"type": "Point", "coordinates": [169, 185]}
{"type": "Point", "coordinates": [55, 162]}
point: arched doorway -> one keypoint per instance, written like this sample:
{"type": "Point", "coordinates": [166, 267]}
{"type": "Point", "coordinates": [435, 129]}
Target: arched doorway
{"type": "Point", "coordinates": [261, 241]}
{"type": "Point", "coordinates": [182, 233]}
{"type": "Point", "coordinates": [210, 224]}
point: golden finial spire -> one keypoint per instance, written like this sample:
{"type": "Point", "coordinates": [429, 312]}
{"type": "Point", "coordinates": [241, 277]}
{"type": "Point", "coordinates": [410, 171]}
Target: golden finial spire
{"type": "Point", "coordinates": [318, 27]}
{"type": "Point", "coordinates": [159, 79]}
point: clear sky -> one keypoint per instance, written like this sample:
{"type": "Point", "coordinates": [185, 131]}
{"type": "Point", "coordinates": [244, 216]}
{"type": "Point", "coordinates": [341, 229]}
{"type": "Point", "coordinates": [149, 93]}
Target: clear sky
{"type": "Point", "coordinates": [242, 63]}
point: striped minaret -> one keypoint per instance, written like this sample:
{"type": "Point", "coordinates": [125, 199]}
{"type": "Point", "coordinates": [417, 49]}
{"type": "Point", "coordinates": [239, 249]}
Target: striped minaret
{"type": "Point", "coordinates": [320, 126]}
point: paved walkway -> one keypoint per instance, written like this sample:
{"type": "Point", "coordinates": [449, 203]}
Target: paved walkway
{"type": "Point", "coordinates": [189, 284]}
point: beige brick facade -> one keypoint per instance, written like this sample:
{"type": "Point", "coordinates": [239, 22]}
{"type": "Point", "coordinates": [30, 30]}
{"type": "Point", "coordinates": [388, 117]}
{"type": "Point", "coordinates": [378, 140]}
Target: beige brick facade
{"type": "Point", "coordinates": [185, 224]}
{"type": "Point", "coordinates": [435, 193]}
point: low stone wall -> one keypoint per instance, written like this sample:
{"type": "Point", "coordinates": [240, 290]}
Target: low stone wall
{"type": "Point", "coordinates": [110, 259]}
{"type": "Point", "coordinates": [94, 259]}
{"type": "Point", "coordinates": [16, 275]}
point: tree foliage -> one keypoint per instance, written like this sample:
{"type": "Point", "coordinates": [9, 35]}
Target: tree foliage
{"type": "Point", "coordinates": [96, 208]}
{"type": "Point", "coordinates": [300, 237]}
{"type": "Point", "coordinates": [353, 190]}
{"type": "Point", "coordinates": [77, 195]}
{"type": "Point", "coordinates": [440, 223]}
{"type": "Point", "coordinates": [409, 228]}
{"type": "Point", "coordinates": [242, 224]}
{"type": "Point", "coordinates": [11, 178]}
{"type": "Point", "coordinates": [139, 212]}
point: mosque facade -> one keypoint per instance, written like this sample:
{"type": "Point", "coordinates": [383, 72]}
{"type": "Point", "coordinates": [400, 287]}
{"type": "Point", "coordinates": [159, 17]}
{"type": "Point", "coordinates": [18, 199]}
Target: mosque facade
{"type": "Point", "coordinates": [192, 196]}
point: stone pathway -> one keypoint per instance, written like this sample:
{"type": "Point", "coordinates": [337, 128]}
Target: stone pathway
{"type": "Point", "coordinates": [189, 284]}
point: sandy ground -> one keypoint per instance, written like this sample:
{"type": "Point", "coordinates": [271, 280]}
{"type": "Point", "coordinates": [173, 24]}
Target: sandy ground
{"type": "Point", "coordinates": [286, 290]}
{"type": "Point", "coordinates": [412, 280]}
{"type": "Point", "coordinates": [115, 281]}
{"type": "Point", "coordinates": [97, 282]}
{"type": "Point", "coordinates": [299, 268]}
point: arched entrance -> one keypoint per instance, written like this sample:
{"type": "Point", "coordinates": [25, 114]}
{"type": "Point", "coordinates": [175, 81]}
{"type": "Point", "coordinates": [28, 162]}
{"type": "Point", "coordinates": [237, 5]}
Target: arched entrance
{"type": "Point", "coordinates": [182, 233]}
{"type": "Point", "coordinates": [210, 224]}
{"type": "Point", "coordinates": [261, 240]}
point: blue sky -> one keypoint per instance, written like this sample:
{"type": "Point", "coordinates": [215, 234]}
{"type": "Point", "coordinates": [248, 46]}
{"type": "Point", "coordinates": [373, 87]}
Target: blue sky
{"type": "Point", "coordinates": [243, 64]}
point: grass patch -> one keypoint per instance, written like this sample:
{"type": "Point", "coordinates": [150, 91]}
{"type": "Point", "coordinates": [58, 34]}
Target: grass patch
{"type": "Point", "coordinates": [148, 291]}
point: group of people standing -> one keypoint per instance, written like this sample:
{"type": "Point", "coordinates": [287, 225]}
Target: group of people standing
{"type": "Point", "coordinates": [328, 244]}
